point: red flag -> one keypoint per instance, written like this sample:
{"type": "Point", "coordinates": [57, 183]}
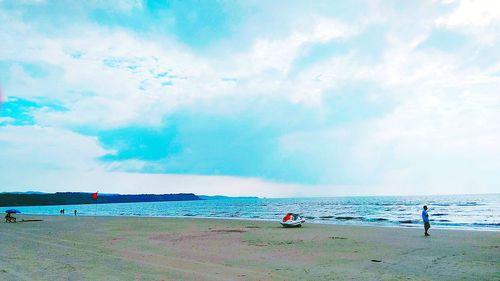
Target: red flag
{"type": "Point", "coordinates": [94, 195]}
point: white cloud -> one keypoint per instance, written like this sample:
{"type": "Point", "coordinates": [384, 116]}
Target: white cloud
{"type": "Point", "coordinates": [478, 19]}
{"type": "Point", "coordinates": [472, 13]}
{"type": "Point", "coordinates": [106, 95]}
{"type": "Point", "coordinates": [6, 120]}
{"type": "Point", "coordinates": [134, 183]}
{"type": "Point", "coordinates": [440, 137]}
{"type": "Point", "coordinates": [278, 54]}
{"type": "Point", "coordinates": [40, 149]}
{"type": "Point", "coordinates": [441, 131]}
{"type": "Point", "coordinates": [49, 159]}
{"type": "Point", "coordinates": [128, 89]}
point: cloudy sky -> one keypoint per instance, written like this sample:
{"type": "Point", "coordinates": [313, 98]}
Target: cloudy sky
{"type": "Point", "coordinates": [267, 98]}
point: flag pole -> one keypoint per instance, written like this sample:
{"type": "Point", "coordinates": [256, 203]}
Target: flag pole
{"type": "Point", "coordinates": [94, 196]}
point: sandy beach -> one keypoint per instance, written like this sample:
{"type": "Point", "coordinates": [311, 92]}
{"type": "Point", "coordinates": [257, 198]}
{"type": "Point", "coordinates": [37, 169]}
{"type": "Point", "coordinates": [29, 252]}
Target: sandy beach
{"type": "Point", "coordinates": [125, 248]}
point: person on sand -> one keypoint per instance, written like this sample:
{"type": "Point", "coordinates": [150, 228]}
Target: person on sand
{"type": "Point", "coordinates": [425, 218]}
{"type": "Point", "coordinates": [75, 212]}
{"type": "Point", "coordinates": [9, 218]}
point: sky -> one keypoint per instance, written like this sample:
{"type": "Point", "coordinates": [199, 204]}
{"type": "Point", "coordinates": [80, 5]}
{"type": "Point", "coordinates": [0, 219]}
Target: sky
{"type": "Point", "coordinates": [260, 98]}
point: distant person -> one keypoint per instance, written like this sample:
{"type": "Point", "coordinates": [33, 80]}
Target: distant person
{"type": "Point", "coordinates": [75, 212]}
{"type": "Point", "coordinates": [425, 218]}
{"type": "Point", "coordinates": [9, 218]}
{"type": "Point", "coordinates": [62, 211]}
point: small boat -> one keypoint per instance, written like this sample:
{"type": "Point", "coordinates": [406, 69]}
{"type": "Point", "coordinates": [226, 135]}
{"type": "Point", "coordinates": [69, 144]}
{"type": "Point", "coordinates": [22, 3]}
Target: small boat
{"type": "Point", "coordinates": [292, 220]}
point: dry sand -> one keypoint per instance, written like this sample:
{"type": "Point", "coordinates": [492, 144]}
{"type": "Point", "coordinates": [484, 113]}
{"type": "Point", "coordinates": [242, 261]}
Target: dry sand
{"type": "Point", "coordinates": [117, 248]}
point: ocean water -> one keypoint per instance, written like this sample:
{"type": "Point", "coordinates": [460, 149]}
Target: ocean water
{"type": "Point", "coordinates": [453, 211]}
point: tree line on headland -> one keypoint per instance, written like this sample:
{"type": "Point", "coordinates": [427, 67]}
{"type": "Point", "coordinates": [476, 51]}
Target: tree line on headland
{"type": "Point", "coordinates": [72, 198]}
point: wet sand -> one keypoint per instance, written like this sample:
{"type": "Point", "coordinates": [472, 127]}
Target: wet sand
{"type": "Point", "coordinates": [119, 248]}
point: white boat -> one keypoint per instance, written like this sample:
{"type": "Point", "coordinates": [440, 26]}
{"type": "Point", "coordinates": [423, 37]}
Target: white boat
{"type": "Point", "coordinates": [292, 220]}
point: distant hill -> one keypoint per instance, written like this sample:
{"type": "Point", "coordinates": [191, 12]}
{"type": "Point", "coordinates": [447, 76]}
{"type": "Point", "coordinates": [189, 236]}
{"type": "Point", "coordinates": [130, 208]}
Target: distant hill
{"type": "Point", "coordinates": [221, 197]}
{"type": "Point", "coordinates": [70, 198]}
{"type": "Point", "coordinates": [24, 192]}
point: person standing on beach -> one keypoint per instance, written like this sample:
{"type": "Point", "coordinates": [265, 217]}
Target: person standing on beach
{"type": "Point", "coordinates": [425, 218]}
{"type": "Point", "coordinates": [75, 212]}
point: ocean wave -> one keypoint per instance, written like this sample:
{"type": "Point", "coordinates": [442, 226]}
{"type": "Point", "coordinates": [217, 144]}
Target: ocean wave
{"type": "Point", "coordinates": [486, 224]}
{"type": "Point", "coordinates": [377, 219]}
{"type": "Point", "coordinates": [466, 204]}
{"type": "Point", "coordinates": [346, 218]}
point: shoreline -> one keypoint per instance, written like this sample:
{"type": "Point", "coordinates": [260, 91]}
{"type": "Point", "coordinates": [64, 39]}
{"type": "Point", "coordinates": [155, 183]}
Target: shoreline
{"type": "Point", "coordinates": [478, 213]}
{"type": "Point", "coordinates": [386, 225]}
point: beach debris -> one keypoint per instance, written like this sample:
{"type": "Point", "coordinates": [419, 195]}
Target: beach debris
{"type": "Point", "coordinates": [292, 220]}
{"type": "Point", "coordinates": [337, 237]}
{"type": "Point", "coordinates": [228, 230]}
{"type": "Point", "coordinates": [376, 261]}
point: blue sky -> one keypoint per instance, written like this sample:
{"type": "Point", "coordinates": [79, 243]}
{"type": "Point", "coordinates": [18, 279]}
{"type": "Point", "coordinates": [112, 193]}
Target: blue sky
{"type": "Point", "coordinates": [281, 98]}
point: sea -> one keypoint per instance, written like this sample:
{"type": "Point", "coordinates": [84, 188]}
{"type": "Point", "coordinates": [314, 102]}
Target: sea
{"type": "Point", "coordinates": [480, 212]}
